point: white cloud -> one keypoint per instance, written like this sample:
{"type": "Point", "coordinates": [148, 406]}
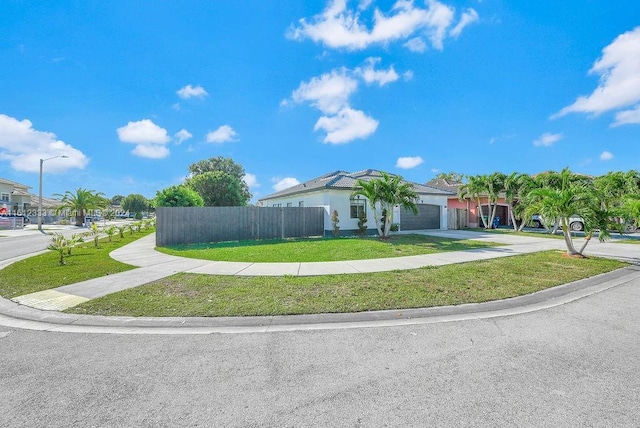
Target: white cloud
{"type": "Point", "coordinates": [251, 180]}
{"type": "Point", "coordinates": [143, 132]}
{"type": "Point", "coordinates": [182, 135]}
{"type": "Point", "coordinates": [435, 170]}
{"type": "Point", "coordinates": [605, 156]}
{"type": "Point", "coordinates": [409, 162]}
{"type": "Point", "coordinates": [627, 117]}
{"type": "Point", "coordinates": [151, 151]}
{"type": "Point", "coordinates": [223, 134]}
{"type": "Point", "coordinates": [190, 92]}
{"type": "Point", "coordinates": [23, 147]}
{"type": "Point", "coordinates": [345, 126]}
{"type": "Point", "coordinates": [416, 45]}
{"type": "Point", "coordinates": [329, 93]}
{"type": "Point", "coordinates": [619, 87]}
{"type": "Point", "coordinates": [176, 106]}
{"type": "Point", "coordinates": [407, 75]}
{"type": "Point", "coordinates": [284, 183]}
{"type": "Point", "coordinates": [547, 139]}
{"type": "Point", "coordinates": [381, 77]}
{"type": "Point", "coordinates": [149, 137]}
{"type": "Point", "coordinates": [467, 18]}
{"type": "Point", "coordinates": [340, 27]}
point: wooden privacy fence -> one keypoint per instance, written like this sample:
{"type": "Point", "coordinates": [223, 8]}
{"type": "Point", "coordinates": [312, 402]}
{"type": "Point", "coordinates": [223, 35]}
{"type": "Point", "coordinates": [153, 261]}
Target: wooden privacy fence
{"type": "Point", "coordinates": [457, 218]}
{"type": "Point", "coordinates": [193, 225]}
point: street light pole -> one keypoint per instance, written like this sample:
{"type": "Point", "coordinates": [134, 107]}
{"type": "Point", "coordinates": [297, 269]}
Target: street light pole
{"type": "Point", "coordinates": [40, 190]}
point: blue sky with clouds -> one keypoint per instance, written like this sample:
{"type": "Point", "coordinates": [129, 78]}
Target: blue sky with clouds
{"type": "Point", "coordinates": [135, 91]}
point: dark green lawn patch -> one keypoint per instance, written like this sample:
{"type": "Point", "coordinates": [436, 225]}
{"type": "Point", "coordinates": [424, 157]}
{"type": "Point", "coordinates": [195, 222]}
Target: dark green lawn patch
{"type": "Point", "coordinates": [43, 272]}
{"type": "Point", "coordinates": [323, 249]}
{"type": "Point", "coordinates": [212, 296]}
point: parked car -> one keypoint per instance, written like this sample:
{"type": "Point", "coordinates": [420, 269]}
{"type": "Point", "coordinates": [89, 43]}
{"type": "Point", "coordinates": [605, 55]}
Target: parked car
{"type": "Point", "coordinates": [576, 223]}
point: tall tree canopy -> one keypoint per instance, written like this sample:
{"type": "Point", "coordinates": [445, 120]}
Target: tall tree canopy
{"type": "Point", "coordinates": [178, 196]}
{"type": "Point", "coordinates": [226, 166]}
{"type": "Point", "coordinates": [450, 176]}
{"type": "Point", "coordinates": [116, 200]}
{"type": "Point", "coordinates": [218, 189]}
{"type": "Point", "coordinates": [135, 203]}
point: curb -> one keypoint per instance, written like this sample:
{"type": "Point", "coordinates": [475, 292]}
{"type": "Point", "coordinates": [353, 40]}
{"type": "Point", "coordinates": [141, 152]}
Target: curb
{"type": "Point", "coordinates": [14, 315]}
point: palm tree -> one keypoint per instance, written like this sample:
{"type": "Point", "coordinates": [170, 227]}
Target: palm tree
{"type": "Point", "coordinates": [473, 189]}
{"type": "Point", "coordinates": [510, 187]}
{"type": "Point", "coordinates": [388, 192]}
{"type": "Point", "coordinates": [573, 197]}
{"type": "Point", "coordinates": [80, 202]}
{"type": "Point", "coordinates": [494, 185]}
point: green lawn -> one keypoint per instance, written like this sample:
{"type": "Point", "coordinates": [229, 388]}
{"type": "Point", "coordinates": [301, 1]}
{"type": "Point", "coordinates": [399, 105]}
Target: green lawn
{"type": "Point", "coordinates": [323, 249]}
{"type": "Point", "coordinates": [205, 295]}
{"type": "Point", "coordinates": [43, 272]}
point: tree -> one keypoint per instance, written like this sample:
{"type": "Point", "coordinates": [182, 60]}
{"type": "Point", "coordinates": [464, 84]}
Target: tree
{"type": "Point", "coordinates": [494, 185]}
{"type": "Point", "coordinates": [573, 197]}
{"type": "Point", "coordinates": [473, 189]}
{"type": "Point", "coordinates": [450, 176]}
{"type": "Point", "coordinates": [510, 186]}
{"type": "Point", "coordinates": [387, 192]}
{"type": "Point", "coordinates": [116, 200]}
{"type": "Point", "coordinates": [224, 165]}
{"type": "Point", "coordinates": [218, 189]}
{"type": "Point", "coordinates": [135, 203]}
{"type": "Point", "coordinates": [178, 196]}
{"type": "Point", "coordinates": [81, 202]}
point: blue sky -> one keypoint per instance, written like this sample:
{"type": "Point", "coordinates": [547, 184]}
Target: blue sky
{"type": "Point", "coordinates": [135, 91]}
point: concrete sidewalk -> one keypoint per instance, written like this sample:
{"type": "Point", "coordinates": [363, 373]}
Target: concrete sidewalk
{"type": "Point", "coordinates": [153, 265]}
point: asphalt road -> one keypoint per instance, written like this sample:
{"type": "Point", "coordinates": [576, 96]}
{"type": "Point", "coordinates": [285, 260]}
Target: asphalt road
{"type": "Point", "coordinates": [14, 246]}
{"type": "Point", "coordinates": [572, 365]}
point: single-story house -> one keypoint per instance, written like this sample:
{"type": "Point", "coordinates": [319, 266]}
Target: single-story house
{"type": "Point", "coordinates": [333, 192]}
{"type": "Point", "coordinates": [465, 213]}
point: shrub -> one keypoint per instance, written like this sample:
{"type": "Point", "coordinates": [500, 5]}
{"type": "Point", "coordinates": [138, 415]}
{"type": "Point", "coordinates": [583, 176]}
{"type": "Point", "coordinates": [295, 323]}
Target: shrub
{"type": "Point", "coordinates": [334, 222]}
{"type": "Point", "coordinates": [362, 224]}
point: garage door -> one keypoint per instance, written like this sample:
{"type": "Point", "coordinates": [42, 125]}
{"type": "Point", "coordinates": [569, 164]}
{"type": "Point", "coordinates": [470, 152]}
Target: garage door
{"type": "Point", "coordinates": [428, 218]}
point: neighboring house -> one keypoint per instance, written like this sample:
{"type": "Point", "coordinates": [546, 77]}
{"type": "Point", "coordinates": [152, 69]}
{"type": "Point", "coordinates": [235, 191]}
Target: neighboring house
{"type": "Point", "coordinates": [14, 197]}
{"type": "Point", "coordinates": [465, 213]}
{"type": "Point", "coordinates": [333, 191]}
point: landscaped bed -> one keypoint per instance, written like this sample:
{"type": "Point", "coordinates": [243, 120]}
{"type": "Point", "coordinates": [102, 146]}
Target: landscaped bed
{"type": "Point", "coordinates": [205, 295]}
{"type": "Point", "coordinates": [323, 249]}
{"type": "Point", "coordinates": [43, 272]}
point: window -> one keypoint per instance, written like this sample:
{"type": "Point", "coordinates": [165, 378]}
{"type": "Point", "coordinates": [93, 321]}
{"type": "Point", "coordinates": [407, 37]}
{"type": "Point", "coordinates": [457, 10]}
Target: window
{"type": "Point", "coordinates": [357, 207]}
{"type": "Point", "coordinates": [4, 197]}
{"type": "Point", "coordinates": [289, 204]}
{"type": "Point", "coordinates": [301, 204]}
{"type": "Point", "coordinates": [277, 205]}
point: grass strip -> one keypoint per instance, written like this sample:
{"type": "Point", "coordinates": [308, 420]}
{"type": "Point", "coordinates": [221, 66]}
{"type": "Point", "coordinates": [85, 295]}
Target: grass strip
{"type": "Point", "coordinates": [212, 296]}
{"type": "Point", "coordinates": [43, 272]}
{"type": "Point", "coordinates": [323, 249]}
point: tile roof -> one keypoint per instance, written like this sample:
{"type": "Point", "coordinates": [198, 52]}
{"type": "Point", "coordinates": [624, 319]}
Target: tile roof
{"type": "Point", "coordinates": [13, 183]}
{"type": "Point", "coordinates": [347, 180]}
{"type": "Point", "coordinates": [444, 184]}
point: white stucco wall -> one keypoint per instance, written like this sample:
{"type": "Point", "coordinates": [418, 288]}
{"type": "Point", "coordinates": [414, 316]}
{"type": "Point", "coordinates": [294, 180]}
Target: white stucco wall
{"type": "Point", "coordinates": [334, 199]}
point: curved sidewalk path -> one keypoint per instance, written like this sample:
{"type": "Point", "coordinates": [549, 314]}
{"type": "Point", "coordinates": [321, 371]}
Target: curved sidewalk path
{"type": "Point", "coordinates": [153, 265]}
